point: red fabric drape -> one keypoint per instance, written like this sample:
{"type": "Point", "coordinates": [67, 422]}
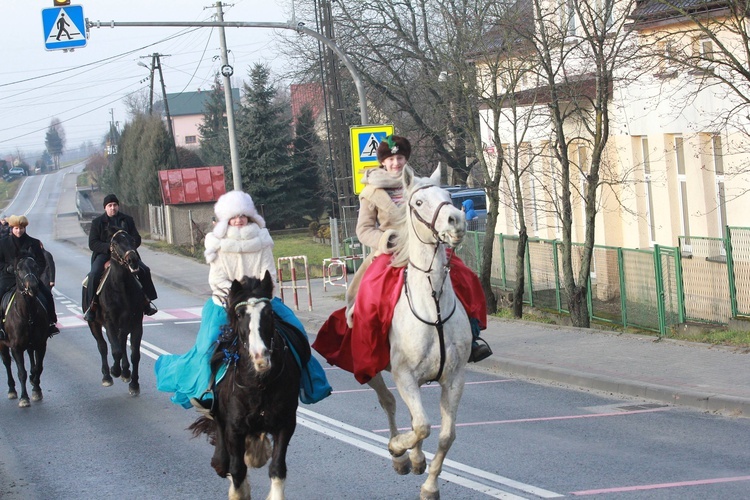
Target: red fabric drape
{"type": "Point", "coordinates": [364, 350]}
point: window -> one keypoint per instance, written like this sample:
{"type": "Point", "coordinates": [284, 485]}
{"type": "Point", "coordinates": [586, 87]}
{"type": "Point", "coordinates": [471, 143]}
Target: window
{"type": "Point", "coordinates": [707, 49]}
{"type": "Point", "coordinates": [682, 195]}
{"type": "Point", "coordinates": [721, 201]}
{"type": "Point", "coordinates": [649, 192]}
{"type": "Point", "coordinates": [191, 139]}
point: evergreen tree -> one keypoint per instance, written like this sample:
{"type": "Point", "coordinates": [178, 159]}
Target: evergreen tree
{"type": "Point", "coordinates": [264, 140]}
{"type": "Point", "coordinates": [309, 199]}
{"type": "Point", "coordinates": [214, 134]}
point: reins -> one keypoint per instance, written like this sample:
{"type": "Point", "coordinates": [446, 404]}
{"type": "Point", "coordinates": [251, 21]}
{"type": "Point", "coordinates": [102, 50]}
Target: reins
{"type": "Point", "coordinates": [120, 259]}
{"type": "Point", "coordinates": [435, 293]}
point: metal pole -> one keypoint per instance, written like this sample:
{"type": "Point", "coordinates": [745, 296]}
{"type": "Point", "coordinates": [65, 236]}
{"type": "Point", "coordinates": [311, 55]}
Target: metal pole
{"type": "Point", "coordinates": [226, 71]}
{"type": "Point", "coordinates": [298, 27]}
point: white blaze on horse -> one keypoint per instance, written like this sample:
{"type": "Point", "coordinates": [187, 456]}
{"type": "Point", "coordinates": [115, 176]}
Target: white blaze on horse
{"type": "Point", "coordinates": [430, 335]}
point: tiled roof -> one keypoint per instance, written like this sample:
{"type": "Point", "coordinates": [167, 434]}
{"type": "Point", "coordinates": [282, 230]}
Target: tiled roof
{"type": "Point", "coordinates": [306, 94]}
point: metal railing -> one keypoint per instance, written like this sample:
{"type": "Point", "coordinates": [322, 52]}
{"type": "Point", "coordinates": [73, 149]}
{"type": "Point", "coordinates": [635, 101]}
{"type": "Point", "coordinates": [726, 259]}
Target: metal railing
{"type": "Point", "coordinates": [707, 281]}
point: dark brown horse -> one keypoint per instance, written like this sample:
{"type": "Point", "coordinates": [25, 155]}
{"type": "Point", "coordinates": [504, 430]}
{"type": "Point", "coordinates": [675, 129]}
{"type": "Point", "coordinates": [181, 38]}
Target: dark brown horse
{"type": "Point", "coordinates": [120, 312]}
{"type": "Point", "coordinates": [26, 326]}
{"type": "Point", "coordinates": [257, 397]}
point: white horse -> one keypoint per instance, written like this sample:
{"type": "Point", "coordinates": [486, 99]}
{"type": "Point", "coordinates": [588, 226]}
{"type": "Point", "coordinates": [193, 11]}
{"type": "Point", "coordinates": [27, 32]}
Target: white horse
{"type": "Point", "coordinates": [430, 336]}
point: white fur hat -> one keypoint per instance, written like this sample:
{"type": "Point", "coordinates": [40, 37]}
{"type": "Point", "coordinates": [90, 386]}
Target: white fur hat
{"type": "Point", "coordinates": [233, 204]}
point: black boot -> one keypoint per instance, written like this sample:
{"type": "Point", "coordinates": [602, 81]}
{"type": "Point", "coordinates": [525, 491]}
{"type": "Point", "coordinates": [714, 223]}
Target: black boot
{"type": "Point", "coordinates": [90, 313]}
{"type": "Point", "coordinates": [478, 351]}
{"type": "Point", "coordinates": [149, 309]}
{"type": "Point", "coordinates": [53, 329]}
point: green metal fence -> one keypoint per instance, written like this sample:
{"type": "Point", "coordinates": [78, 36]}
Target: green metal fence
{"type": "Point", "coordinates": [703, 280]}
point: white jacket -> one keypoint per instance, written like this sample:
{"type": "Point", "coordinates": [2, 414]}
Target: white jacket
{"type": "Point", "coordinates": [243, 251]}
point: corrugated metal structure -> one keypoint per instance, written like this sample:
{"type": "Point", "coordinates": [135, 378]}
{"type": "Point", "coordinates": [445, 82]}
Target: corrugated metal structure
{"type": "Point", "coordinates": [192, 185]}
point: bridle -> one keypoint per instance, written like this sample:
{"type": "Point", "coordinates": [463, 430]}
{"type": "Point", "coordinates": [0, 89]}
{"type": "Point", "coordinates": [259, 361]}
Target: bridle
{"type": "Point", "coordinates": [251, 302]}
{"type": "Point", "coordinates": [436, 294]}
{"type": "Point", "coordinates": [115, 253]}
{"type": "Point", "coordinates": [21, 280]}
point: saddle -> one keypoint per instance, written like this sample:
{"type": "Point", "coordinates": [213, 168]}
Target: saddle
{"type": "Point", "coordinates": [7, 300]}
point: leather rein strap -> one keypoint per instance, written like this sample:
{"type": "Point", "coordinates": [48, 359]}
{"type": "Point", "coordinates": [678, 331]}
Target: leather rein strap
{"type": "Point", "coordinates": [439, 322]}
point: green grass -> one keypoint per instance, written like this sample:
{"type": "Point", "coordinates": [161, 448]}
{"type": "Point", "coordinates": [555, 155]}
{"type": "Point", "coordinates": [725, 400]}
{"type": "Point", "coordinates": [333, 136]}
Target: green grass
{"type": "Point", "coordinates": [8, 190]}
{"type": "Point", "coordinates": [287, 245]}
{"type": "Point", "coordinates": [732, 338]}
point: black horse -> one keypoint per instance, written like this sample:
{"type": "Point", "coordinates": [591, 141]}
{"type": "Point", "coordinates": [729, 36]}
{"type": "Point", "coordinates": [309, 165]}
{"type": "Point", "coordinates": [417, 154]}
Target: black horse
{"type": "Point", "coordinates": [26, 326]}
{"type": "Point", "coordinates": [257, 396]}
{"type": "Point", "coordinates": [120, 312]}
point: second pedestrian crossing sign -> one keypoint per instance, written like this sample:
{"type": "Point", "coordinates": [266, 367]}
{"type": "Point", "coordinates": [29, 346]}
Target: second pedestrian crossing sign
{"type": "Point", "coordinates": [364, 142]}
{"type": "Point", "coordinates": [64, 27]}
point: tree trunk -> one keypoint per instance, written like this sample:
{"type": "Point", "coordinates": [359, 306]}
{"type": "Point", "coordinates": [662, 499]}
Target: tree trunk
{"type": "Point", "coordinates": [579, 308]}
{"type": "Point", "coordinates": [518, 291]}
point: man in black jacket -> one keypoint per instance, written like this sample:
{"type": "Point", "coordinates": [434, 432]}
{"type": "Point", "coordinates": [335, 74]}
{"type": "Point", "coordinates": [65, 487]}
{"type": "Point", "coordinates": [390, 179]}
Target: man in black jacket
{"type": "Point", "coordinates": [11, 248]}
{"type": "Point", "coordinates": [99, 240]}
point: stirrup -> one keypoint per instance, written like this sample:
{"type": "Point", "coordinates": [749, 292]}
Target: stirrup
{"type": "Point", "coordinates": [200, 406]}
{"type": "Point", "coordinates": [479, 351]}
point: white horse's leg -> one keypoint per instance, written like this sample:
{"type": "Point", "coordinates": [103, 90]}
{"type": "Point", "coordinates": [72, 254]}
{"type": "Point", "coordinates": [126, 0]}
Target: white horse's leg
{"type": "Point", "coordinates": [277, 489]}
{"type": "Point", "coordinates": [450, 397]}
{"type": "Point", "coordinates": [388, 402]}
{"type": "Point", "coordinates": [408, 388]}
{"type": "Point", "coordinates": [241, 493]}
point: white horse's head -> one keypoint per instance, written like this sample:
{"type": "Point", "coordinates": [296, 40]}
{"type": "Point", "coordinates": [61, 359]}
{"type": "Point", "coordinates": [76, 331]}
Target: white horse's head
{"type": "Point", "coordinates": [430, 212]}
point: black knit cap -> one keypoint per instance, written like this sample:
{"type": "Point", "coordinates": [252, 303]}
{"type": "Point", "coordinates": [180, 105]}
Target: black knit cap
{"type": "Point", "coordinates": [110, 198]}
{"type": "Point", "coordinates": [393, 145]}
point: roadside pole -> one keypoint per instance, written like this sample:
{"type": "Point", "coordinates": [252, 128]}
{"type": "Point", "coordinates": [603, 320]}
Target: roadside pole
{"type": "Point", "coordinates": [298, 27]}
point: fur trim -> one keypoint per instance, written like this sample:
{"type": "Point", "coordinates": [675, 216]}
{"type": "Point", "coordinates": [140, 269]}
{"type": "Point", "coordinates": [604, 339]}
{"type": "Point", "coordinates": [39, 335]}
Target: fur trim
{"type": "Point", "coordinates": [247, 239]}
{"type": "Point", "coordinates": [381, 178]}
{"type": "Point", "coordinates": [231, 205]}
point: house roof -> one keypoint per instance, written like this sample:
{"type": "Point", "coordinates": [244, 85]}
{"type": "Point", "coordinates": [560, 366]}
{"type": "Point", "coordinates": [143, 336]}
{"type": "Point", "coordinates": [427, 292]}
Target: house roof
{"type": "Point", "coordinates": [194, 103]}
{"type": "Point", "coordinates": [306, 94]}
{"type": "Point", "coordinates": [191, 185]}
{"type": "Point", "coordinates": [647, 11]}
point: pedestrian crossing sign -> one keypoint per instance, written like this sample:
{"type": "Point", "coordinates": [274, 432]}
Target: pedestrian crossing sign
{"type": "Point", "coordinates": [364, 142]}
{"type": "Point", "coordinates": [64, 27]}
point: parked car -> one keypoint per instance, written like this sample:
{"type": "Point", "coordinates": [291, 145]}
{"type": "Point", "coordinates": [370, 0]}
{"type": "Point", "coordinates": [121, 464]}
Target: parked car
{"type": "Point", "coordinates": [17, 171]}
{"type": "Point", "coordinates": [480, 206]}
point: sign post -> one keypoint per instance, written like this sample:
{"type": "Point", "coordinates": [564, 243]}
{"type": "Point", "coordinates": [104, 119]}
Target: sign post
{"type": "Point", "coordinates": [64, 27]}
{"type": "Point", "coordinates": [364, 143]}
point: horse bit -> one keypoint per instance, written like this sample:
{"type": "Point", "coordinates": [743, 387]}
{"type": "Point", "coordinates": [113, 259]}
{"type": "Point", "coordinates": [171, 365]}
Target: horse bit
{"type": "Point", "coordinates": [120, 259]}
{"type": "Point", "coordinates": [439, 322]}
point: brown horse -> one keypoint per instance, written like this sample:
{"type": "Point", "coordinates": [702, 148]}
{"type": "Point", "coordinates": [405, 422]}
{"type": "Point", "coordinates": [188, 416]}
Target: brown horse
{"type": "Point", "coordinates": [120, 312]}
{"type": "Point", "coordinates": [258, 396]}
{"type": "Point", "coordinates": [26, 326]}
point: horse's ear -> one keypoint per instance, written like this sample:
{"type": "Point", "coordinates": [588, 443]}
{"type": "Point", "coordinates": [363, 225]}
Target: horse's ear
{"type": "Point", "coordinates": [435, 177]}
{"type": "Point", "coordinates": [236, 287]}
{"type": "Point", "coordinates": [408, 176]}
{"type": "Point", "coordinates": [267, 284]}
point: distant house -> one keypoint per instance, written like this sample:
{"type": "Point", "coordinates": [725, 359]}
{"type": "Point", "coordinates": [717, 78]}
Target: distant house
{"type": "Point", "coordinates": [308, 95]}
{"type": "Point", "coordinates": [186, 110]}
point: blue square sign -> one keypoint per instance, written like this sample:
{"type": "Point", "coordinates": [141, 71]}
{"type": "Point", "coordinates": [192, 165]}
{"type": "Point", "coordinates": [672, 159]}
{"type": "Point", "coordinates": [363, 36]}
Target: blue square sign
{"type": "Point", "coordinates": [64, 27]}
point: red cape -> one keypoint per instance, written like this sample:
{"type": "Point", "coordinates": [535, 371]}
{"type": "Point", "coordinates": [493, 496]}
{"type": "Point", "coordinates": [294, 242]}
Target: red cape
{"type": "Point", "coordinates": [364, 350]}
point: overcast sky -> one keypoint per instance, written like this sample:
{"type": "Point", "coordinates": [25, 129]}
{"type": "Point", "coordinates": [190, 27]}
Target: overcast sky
{"type": "Point", "coordinates": [84, 89]}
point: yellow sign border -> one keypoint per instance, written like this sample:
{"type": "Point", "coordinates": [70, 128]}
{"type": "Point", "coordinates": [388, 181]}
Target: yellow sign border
{"type": "Point", "coordinates": [358, 166]}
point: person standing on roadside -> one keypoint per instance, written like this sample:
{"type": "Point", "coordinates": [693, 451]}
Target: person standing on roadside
{"type": "Point", "coordinates": [99, 241]}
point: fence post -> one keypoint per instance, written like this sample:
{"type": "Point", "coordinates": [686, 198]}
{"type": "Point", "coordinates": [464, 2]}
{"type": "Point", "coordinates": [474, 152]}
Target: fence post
{"type": "Point", "coordinates": [502, 261]}
{"type": "Point", "coordinates": [528, 272]}
{"type": "Point", "coordinates": [623, 288]}
{"type": "Point", "coordinates": [730, 271]}
{"type": "Point", "coordinates": [556, 262]}
{"type": "Point", "coordinates": [659, 280]}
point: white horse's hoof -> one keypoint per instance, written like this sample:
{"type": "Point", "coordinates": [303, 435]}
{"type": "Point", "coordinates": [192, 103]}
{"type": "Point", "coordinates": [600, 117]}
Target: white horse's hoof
{"type": "Point", "coordinates": [24, 403]}
{"type": "Point", "coordinates": [107, 383]}
{"type": "Point", "coordinates": [428, 495]}
{"type": "Point", "coordinates": [402, 465]}
{"type": "Point", "coordinates": [36, 395]}
{"type": "Point", "coordinates": [13, 395]}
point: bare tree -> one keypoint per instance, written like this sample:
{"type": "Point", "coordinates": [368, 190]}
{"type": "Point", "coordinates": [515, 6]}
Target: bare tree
{"type": "Point", "coordinates": [579, 47]}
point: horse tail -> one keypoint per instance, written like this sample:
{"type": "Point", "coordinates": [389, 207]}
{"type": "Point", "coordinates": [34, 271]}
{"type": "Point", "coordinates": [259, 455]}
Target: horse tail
{"type": "Point", "coordinates": [204, 425]}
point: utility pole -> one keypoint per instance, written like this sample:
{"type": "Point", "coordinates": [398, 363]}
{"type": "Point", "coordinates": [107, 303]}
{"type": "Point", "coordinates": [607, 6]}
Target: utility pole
{"type": "Point", "coordinates": [227, 71]}
{"type": "Point", "coordinates": [156, 63]}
